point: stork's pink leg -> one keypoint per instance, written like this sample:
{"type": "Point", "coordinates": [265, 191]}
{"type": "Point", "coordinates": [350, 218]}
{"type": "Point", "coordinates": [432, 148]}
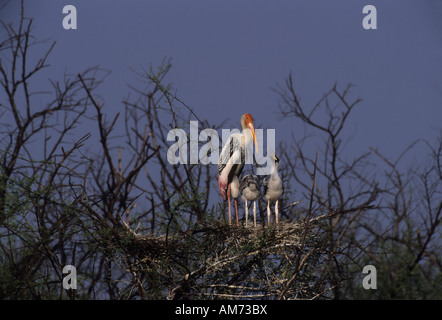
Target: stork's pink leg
{"type": "Point", "coordinates": [268, 211]}
{"type": "Point", "coordinates": [276, 211]}
{"type": "Point", "coordinates": [236, 211]}
{"type": "Point", "coordinates": [228, 199]}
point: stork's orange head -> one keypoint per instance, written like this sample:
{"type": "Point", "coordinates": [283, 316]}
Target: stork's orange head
{"type": "Point", "coordinates": [247, 123]}
{"type": "Point", "coordinates": [248, 118]}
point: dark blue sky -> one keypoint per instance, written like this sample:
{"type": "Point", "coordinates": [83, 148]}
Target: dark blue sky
{"type": "Point", "coordinates": [227, 55]}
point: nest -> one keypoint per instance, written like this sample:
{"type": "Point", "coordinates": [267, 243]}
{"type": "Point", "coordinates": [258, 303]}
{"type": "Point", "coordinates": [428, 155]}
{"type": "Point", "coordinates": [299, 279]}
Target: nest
{"type": "Point", "coordinates": [220, 261]}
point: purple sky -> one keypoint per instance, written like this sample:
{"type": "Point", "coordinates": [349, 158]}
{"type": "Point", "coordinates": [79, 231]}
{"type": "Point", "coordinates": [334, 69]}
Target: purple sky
{"type": "Point", "coordinates": [227, 55]}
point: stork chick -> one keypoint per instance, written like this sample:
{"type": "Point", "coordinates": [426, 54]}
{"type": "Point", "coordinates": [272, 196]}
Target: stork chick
{"type": "Point", "coordinates": [273, 188]}
{"type": "Point", "coordinates": [250, 192]}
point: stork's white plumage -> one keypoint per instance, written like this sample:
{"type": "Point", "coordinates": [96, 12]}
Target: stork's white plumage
{"type": "Point", "coordinates": [250, 192]}
{"type": "Point", "coordinates": [232, 159]}
{"type": "Point", "coordinates": [234, 192]}
{"type": "Point", "coordinates": [273, 188]}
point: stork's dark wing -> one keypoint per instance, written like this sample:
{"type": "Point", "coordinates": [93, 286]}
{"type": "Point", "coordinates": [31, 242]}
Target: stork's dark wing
{"type": "Point", "coordinates": [248, 180]}
{"type": "Point", "coordinates": [265, 184]}
{"type": "Point", "coordinates": [232, 157]}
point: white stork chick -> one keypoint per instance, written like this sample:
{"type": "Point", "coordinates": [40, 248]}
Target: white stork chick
{"type": "Point", "coordinates": [273, 188]}
{"type": "Point", "coordinates": [250, 192]}
{"type": "Point", "coordinates": [232, 160]}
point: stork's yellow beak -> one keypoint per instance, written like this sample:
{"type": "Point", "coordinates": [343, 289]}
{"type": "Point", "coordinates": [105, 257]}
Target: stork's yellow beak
{"type": "Point", "coordinates": [252, 129]}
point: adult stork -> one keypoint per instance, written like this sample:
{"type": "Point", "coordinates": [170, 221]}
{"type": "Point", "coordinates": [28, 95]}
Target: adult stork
{"type": "Point", "coordinates": [250, 192]}
{"type": "Point", "coordinates": [232, 160]}
{"type": "Point", "coordinates": [273, 188]}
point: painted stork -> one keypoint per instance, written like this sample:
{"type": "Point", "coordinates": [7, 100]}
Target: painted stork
{"type": "Point", "coordinates": [250, 192]}
{"type": "Point", "coordinates": [232, 160]}
{"type": "Point", "coordinates": [273, 188]}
